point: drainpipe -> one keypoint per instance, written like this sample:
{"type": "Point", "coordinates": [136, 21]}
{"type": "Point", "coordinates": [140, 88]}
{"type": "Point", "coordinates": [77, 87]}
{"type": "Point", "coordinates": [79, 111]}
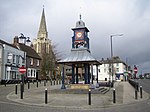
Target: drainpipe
{"type": "Point", "coordinates": [1, 64]}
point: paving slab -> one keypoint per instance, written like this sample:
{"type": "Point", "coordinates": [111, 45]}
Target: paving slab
{"type": "Point", "coordinates": [36, 96]}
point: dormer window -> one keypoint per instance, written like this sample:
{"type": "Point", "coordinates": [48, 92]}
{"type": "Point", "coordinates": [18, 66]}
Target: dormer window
{"type": "Point", "coordinates": [38, 62]}
{"type": "Point", "coordinates": [31, 61]}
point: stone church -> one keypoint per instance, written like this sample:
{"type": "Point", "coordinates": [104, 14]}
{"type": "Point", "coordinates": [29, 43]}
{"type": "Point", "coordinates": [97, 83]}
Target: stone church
{"type": "Point", "coordinates": [43, 46]}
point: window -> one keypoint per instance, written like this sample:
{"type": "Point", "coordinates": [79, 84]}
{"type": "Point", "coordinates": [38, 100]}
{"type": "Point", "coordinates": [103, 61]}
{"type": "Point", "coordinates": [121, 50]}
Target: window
{"type": "Point", "coordinates": [117, 69]}
{"type": "Point", "coordinates": [31, 61]}
{"type": "Point", "coordinates": [99, 70]}
{"type": "Point", "coordinates": [93, 70]}
{"type": "Point", "coordinates": [9, 57]}
{"type": "Point", "coordinates": [104, 70]}
{"type": "Point", "coordinates": [34, 73]}
{"type": "Point", "coordinates": [38, 62]}
{"type": "Point", "coordinates": [17, 60]}
{"type": "Point", "coordinates": [29, 74]}
{"type": "Point", "coordinates": [117, 64]}
{"type": "Point", "coordinates": [14, 61]}
{"type": "Point", "coordinates": [13, 75]}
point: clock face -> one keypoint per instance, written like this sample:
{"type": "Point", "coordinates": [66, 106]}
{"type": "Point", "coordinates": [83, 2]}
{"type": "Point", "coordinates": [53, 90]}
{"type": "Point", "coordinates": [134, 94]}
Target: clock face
{"type": "Point", "coordinates": [79, 34]}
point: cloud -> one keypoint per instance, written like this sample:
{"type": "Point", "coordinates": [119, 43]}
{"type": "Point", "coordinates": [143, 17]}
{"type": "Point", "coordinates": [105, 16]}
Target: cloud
{"type": "Point", "coordinates": [102, 17]}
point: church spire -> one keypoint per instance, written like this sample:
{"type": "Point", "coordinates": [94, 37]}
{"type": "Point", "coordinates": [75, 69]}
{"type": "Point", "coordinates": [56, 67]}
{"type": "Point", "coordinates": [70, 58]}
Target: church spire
{"type": "Point", "coordinates": [43, 28]}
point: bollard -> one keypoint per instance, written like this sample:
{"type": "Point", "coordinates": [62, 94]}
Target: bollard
{"type": "Point", "coordinates": [114, 96]}
{"type": "Point", "coordinates": [16, 89]}
{"type": "Point", "coordinates": [51, 82]}
{"type": "Point", "coordinates": [137, 86]}
{"type": "Point", "coordinates": [54, 82]}
{"type": "Point", "coordinates": [21, 90]}
{"type": "Point", "coordinates": [44, 83]}
{"type": "Point", "coordinates": [136, 96]}
{"type": "Point", "coordinates": [5, 83]}
{"type": "Point", "coordinates": [28, 84]}
{"type": "Point", "coordinates": [141, 95]}
{"type": "Point", "coordinates": [89, 94]}
{"type": "Point", "coordinates": [45, 95]}
{"type": "Point", "coordinates": [37, 84]}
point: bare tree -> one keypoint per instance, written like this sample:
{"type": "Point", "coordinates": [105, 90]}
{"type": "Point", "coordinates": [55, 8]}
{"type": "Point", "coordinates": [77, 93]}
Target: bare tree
{"type": "Point", "coordinates": [49, 67]}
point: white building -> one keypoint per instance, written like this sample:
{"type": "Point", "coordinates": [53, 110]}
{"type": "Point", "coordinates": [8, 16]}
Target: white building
{"type": "Point", "coordinates": [104, 70]}
{"type": "Point", "coordinates": [11, 58]}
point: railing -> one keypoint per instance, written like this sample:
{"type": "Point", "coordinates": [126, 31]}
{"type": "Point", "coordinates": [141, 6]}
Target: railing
{"type": "Point", "coordinates": [134, 83]}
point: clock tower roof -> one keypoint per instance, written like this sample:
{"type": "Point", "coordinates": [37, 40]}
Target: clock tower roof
{"type": "Point", "coordinates": [80, 23]}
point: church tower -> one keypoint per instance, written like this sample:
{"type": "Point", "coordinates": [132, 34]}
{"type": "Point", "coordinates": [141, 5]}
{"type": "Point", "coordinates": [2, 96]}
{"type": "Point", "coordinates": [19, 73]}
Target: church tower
{"type": "Point", "coordinates": [42, 44]}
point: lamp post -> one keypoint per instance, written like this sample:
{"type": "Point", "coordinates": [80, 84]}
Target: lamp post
{"type": "Point", "coordinates": [111, 48]}
{"type": "Point", "coordinates": [25, 41]}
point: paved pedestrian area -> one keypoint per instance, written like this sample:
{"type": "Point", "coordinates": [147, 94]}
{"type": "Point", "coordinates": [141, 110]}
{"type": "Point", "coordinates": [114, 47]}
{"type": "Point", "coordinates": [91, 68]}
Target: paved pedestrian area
{"type": "Point", "coordinates": [125, 94]}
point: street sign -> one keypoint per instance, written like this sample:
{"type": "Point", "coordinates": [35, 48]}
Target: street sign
{"type": "Point", "coordinates": [22, 70]}
{"type": "Point", "coordinates": [135, 70]}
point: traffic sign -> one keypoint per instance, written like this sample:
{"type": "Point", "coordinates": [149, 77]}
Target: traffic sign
{"type": "Point", "coordinates": [22, 70]}
{"type": "Point", "coordinates": [135, 69]}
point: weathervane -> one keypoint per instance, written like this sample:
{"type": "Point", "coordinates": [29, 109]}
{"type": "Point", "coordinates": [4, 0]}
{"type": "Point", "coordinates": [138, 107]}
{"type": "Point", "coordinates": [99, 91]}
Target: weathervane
{"type": "Point", "coordinates": [80, 13]}
{"type": "Point", "coordinates": [80, 16]}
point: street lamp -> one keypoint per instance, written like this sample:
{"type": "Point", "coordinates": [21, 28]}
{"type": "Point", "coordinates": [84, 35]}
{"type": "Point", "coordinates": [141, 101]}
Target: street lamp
{"type": "Point", "coordinates": [25, 40]}
{"type": "Point", "coordinates": [111, 36]}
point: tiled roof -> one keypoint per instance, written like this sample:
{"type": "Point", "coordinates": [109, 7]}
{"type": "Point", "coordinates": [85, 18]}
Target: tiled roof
{"type": "Point", "coordinates": [113, 60]}
{"type": "Point", "coordinates": [3, 42]}
{"type": "Point", "coordinates": [30, 52]}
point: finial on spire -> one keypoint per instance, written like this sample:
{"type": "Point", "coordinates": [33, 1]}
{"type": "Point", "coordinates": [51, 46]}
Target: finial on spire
{"type": "Point", "coordinates": [43, 6]}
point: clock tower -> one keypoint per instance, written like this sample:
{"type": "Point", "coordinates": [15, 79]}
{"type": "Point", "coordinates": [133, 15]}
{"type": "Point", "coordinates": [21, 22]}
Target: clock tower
{"type": "Point", "coordinates": [80, 38]}
{"type": "Point", "coordinates": [80, 58]}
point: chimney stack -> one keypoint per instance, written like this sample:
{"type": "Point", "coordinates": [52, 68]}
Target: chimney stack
{"type": "Point", "coordinates": [16, 40]}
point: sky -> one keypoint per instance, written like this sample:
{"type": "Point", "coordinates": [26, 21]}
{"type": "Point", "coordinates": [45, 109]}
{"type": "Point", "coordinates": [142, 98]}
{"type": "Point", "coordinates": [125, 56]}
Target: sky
{"type": "Point", "coordinates": [102, 17]}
